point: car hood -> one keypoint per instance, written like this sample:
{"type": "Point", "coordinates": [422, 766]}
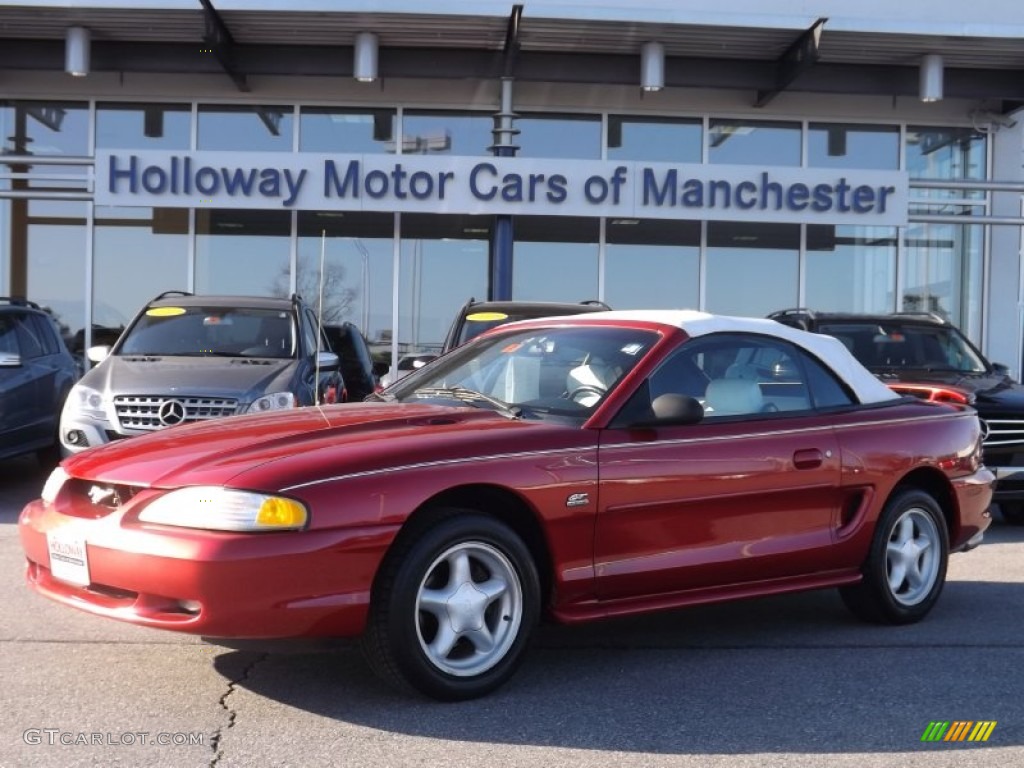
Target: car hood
{"type": "Point", "coordinates": [992, 390]}
{"type": "Point", "coordinates": [238, 377]}
{"type": "Point", "coordinates": [278, 449]}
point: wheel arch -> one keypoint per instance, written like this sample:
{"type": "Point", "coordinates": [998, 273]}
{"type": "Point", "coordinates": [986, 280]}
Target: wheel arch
{"type": "Point", "coordinates": [494, 501]}
{"type": "Point", "coordinates": [935, 484]}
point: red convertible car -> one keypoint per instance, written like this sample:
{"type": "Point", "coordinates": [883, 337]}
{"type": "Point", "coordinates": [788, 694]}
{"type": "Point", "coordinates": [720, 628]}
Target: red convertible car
{"type": "Point", "coordinates": [573, 468]}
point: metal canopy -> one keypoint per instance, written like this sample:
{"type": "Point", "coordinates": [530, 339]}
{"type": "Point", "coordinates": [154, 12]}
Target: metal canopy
{"type": "Point", "coordinates": [763, 58]}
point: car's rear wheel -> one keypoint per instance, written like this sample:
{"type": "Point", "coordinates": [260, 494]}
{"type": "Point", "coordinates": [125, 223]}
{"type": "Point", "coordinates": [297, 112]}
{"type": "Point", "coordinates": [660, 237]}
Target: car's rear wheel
{"type": "Point", "coordinates": [453, 608]}
{"type": "Point", "coordinates": [906, 567]}
{"type": "Point", "coordinates": [1012, 511]}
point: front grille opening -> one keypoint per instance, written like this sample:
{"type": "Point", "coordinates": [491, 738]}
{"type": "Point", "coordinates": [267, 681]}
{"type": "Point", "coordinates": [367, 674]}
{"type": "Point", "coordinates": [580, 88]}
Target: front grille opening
{"type": "Point", "coordinates": [151, 412]}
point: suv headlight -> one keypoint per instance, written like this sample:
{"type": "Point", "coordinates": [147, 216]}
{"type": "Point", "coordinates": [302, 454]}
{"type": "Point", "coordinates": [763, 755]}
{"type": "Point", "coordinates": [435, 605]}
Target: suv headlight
{"type": "Point", "coordinates": [87, 402]}
{"type": "Point", "coordinates": [276, 401]}
{"type": "Point", "coordinates": [225, 509]}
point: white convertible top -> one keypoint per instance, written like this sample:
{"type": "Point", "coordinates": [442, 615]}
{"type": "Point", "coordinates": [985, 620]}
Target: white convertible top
{"type": "Point", "coordinates": [830, 350]}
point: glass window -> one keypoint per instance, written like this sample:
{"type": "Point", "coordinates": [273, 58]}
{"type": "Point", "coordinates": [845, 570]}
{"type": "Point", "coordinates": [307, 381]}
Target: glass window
{"type": "Point", "coordinates": [143, 126]}
{"type": "Point", "coordinates": [200, 331]}
{"type": "Point", "coordinates": [28, 337]}
{"type": "Point", "coordinates": [657, 139]}
{"type": "Point", "coordinates": [356, 131]}
{"type": "Point", "coordinates": [850, 269]}
{"type": "Point", "coordinates": [444, 262]}
{"type": "Point", "coordinates": [555, 258]}
{"type": "Point", "coordinates": [561, 136]}
{"type": "Point", "coordinates": [743, 375]}
{"type": "Point", "coordinates": [46, 245]}
{"type": "Point", "coordinates": [254, 128]}
{"type": "Point", "coordinates": [945, 153]}
{"type": "Point", "coordinates": [754, 142]}
{"type": "Point", "coordinates": [9, 335]}
{"type": "Point", "coordinates": [447, 133]}
{"type": "Point", "coordinates": [652, 263]}
{"type": "Point", "coordinates": [358, 258]}
{"type": "Point", "coordinates": [137, 254]}
{"type": "Point", "coordinates": [51, 128]}
{"type": "Point", "coordinates": [752, 268]}
{"type": "Point", "coordinates": [44, 127]}
{"type": "Point", "coordinates": [243, 252]}
{"type": "Point", "coordinates": [849, 145]}
{"type": "Point", "coordinates": [538, 370]}
{"type": "Point", "coordinates": [43, 330]}
{"type": "Point", "coordinates": [941, 263]}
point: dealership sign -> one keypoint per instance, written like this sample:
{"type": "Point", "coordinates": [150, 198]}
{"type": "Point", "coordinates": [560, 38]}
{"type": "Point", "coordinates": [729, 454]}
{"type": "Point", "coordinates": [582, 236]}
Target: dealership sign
{"type": "Point", "coordinates": [500, 185]}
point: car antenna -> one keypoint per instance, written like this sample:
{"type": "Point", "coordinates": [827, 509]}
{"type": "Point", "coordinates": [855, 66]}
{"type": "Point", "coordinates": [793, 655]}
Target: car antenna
{"type": "Point", "coordinates": [319, 320]}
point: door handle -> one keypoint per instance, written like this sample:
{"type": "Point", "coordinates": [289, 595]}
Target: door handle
{"type": "Point", "coordinates": [808, 458]}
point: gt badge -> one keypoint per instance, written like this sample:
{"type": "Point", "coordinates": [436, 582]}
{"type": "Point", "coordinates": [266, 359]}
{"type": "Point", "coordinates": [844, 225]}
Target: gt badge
{"type": "Point", "coordinates": [577, 500]}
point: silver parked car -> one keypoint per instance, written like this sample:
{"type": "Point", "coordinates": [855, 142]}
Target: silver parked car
{"type": "Point", "coordinates": [188, 358]}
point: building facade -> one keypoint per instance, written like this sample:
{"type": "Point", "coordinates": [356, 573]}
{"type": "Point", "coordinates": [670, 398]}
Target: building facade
{"type": "Point", "coordinates": [396, 162]}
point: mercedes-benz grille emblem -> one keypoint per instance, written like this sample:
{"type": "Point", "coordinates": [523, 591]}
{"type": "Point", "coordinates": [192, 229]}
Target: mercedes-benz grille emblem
{"type": "Point", "coordinates": [172, 412]}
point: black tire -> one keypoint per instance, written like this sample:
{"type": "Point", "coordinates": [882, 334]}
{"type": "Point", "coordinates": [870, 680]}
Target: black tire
{"type": "Point", "coordinates": [1012, 512]}
{"type": "Point", "coordinates": [440, 568]}
{"type": "Point", "coordinates": [911, 544]}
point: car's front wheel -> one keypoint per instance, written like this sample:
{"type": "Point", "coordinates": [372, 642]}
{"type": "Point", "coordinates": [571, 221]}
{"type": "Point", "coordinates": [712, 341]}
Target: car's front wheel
{"type": "Point", "coordinates": [453, 608]}
{"type": "Point", "coordinates": [906, 568]}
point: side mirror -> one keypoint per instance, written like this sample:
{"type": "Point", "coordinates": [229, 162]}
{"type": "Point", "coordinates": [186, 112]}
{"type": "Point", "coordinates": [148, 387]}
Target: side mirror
{"type": "Point", "coordinates": [10, 360]}
{"type": "Point", "coordinates": [674, 410]}
{"type": "Point", "coordinates": [415, 362]}
{"type": "Point", "coordinates": [98, 353]}
{"type": "Point", "coordinates": [1001, 369]}
{"type": "Point", "coordinates": [328, 360]}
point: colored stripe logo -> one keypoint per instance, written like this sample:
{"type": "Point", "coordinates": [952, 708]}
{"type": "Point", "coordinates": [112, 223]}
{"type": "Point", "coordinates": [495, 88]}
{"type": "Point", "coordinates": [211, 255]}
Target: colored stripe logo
{"type": "Point", "coordinates": [959, 730]}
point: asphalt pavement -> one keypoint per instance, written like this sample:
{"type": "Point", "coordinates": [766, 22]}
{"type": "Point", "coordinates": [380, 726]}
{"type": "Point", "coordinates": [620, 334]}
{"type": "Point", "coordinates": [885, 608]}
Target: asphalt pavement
{"type": "Point", "coordinates": [787, 681]}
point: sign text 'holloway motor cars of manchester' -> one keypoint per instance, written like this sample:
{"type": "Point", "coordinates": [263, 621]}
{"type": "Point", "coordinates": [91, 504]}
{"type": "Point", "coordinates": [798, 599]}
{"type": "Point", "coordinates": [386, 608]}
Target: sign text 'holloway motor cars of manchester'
{"type": "Point", "coordinates": [577, 467]}
{"type": "Point", "coordinates": [472, 185]}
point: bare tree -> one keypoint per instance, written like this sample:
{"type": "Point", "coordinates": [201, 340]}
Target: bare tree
{"type": "Point", "coordinates": [338, 297]}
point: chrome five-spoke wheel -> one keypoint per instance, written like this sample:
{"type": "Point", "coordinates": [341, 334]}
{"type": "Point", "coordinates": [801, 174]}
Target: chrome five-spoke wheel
{"type": "Point", "coordinates": [469, 608]}
{"type": "Point", "coordinates": [912, 557]}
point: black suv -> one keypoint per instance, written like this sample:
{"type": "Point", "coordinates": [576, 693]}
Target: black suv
{"type": "Point", "coordinates": [187, 358]}
{"type": "Point", "coordinates": [36, 374]}
{"type": "Point", "coordinates": [475, 317]}
{"type": "Point", "coordinates": [925, 356]}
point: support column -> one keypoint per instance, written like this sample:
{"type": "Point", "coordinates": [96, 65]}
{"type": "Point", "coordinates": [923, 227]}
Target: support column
{"type": "Point", "coordinates": [502, 233]}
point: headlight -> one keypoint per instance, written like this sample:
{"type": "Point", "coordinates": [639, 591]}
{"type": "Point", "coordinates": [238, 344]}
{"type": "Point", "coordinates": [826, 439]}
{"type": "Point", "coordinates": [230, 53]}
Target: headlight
{"type": "Point", "coordinates": [225, 509]}
{"type": "Point", "coordinates": [53, 485]}
{"type": "Point", "coordinates": [85, 401]}
{"type": "Point", "coordinates": [277, 401]}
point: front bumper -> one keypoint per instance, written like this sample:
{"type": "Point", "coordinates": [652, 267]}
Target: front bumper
{"type": "Point", "coordinates": [78, 434]}
{"type": "Point", "coordinates": [264, 585]}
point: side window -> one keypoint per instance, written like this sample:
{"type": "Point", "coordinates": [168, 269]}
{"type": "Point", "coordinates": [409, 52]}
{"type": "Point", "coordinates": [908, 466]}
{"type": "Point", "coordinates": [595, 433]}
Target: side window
{"type": "Point", "coordinates": [826, 390]}
{"type": "Point", "coordinates": [28, 338]}
{"type": "Point", "coordinates": [45, 333]}
{"type": "Point", "coordinates": [740, 375]}
{"type": "Point", "coordinates": [8, 335]}
{"type": "Point", "coordinates": [309, 334]}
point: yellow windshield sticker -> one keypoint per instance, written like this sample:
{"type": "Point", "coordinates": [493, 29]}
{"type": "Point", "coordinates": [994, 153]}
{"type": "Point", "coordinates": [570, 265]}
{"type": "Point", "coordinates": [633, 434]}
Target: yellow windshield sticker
{"type": "Point", "coordinates": [165, 311]}
{"type": "Point", "coordinates": [486, 317]}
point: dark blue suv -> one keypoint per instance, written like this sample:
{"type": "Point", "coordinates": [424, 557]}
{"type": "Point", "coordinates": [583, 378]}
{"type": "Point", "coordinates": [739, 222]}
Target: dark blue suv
{"type": "Point", "coordinates": [36, 374]}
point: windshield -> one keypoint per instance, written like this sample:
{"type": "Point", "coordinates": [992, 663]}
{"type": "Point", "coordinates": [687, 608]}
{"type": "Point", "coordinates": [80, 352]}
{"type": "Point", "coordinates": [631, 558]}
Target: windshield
{"type": "Point", "coordinates": [896, 345]}
{"type": "Point", "coordinates": [557, 371]}
{"type": "Point", "coordinates": [212, 331]}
